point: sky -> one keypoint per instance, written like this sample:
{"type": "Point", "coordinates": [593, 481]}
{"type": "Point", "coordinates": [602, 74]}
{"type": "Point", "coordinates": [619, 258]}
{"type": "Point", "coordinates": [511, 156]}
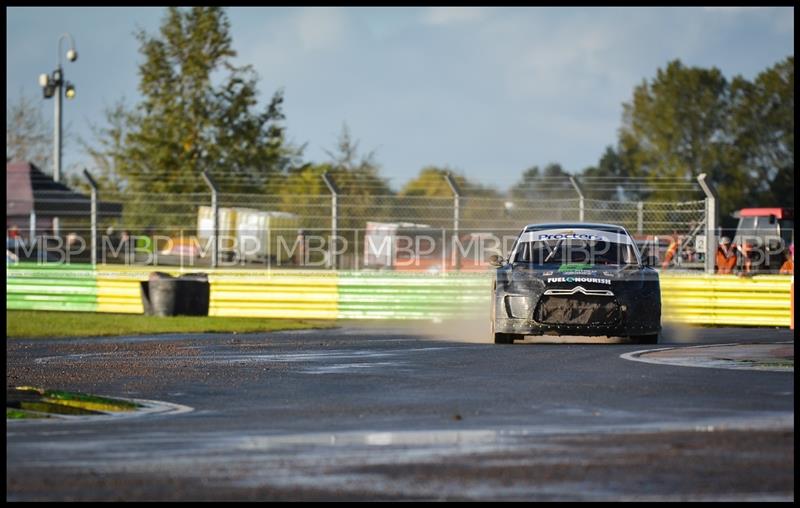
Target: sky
{"type": "Point", "coordinates": [488, 92]}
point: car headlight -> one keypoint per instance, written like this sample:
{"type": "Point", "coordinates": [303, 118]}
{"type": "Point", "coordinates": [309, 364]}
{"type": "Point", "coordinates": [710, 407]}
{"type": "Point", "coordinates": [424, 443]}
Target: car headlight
{"type": "Point", "coordinates": [519, 307]}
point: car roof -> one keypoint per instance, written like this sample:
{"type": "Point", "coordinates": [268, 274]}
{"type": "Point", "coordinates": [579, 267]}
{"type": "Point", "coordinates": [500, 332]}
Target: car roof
{"type": "Point", "coordinates": [611, 228]}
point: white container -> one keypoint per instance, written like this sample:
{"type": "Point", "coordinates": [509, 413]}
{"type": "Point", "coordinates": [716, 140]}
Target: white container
{"type": "Point", "coordinates": [259, 233]}
{"type": "Point", "coordinates": [227, 227]}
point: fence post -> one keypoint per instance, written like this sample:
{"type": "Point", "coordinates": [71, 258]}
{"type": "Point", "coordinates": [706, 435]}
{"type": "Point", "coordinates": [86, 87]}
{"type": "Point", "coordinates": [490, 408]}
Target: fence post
{"type": "Point", "coordinates": [93, 214]}
{"type": "Point", "coordinates": [712, 219]}
{"type": "Point", "coordinates": [215, 216]}
{"type": "Point", "coordinates": [32, 226]}
{"type": "Point", "coordinates": [456, 212]}
{"type": "Point", "coordinates": [580, 198]}
{"type": "Point", "coordinates": [334, 216]}
{"type": "Point", "coordinates": [640, 217]}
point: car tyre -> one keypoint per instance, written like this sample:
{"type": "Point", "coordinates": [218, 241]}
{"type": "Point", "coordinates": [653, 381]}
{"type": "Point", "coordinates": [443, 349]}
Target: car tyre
{"type": "Point", "coordinates": [645, 339]}
{"type": "Point", "coordinates": [505, 338]}
{"type": "Point", "coordinates": [492, 335]}
{"type": "Point", "coordinates": [500, 338]}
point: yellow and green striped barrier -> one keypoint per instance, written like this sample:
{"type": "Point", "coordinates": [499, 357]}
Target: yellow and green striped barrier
{"type": "Point", "coordinates": [387, 295]}
{"type": "Point", "coordinates": [30, 286]}
{"type": "Point", "coordinates": [763, 300]}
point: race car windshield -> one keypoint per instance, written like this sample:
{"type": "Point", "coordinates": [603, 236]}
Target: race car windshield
{"type": "Point", "coordinates": [573, 251]}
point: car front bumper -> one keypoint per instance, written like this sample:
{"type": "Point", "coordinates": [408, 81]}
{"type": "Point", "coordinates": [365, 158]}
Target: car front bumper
{"type": "Point", "coordinates": [591, 316]}
{"type": "Point", "coordinates": [531, 327]}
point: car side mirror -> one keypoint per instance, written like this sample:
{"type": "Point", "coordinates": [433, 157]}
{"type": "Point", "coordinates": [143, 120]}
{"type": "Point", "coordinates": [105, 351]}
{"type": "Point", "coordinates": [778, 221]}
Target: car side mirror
{"type": "Point", "coordinates": [496, 260]}
{"type": "Point", "coordinates": [650, 261]}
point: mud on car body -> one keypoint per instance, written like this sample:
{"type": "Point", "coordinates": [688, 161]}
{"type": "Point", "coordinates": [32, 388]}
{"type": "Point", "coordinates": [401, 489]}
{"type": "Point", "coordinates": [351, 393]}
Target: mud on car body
{"type": "Point", "coordinates": [575, 279]}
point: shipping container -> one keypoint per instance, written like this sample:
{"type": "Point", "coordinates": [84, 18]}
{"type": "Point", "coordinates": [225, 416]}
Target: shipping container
{"type": "Point", "coordinates": [260, 234]}
{"type": "Point", "coordinates": [227, 228]}
{"type": "Point", "coordinates": [250, 234]}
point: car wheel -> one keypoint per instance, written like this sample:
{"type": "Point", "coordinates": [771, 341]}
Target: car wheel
{"type": "Point", "coordinates": [645, 339]}
{"type": "Point", "coordinates": [499, 338]}
{"type": "Point", "coordinates": [491, 312]}
{"type": "Point", "coordinates": [505, 338]}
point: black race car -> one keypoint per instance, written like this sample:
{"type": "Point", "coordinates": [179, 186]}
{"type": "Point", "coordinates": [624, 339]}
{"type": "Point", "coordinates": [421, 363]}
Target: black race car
{"type": "Point", "coordinates": [575, 279]}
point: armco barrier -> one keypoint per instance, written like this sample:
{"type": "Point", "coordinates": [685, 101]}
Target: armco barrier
{"type": "Point", "coordinates": [119, 293]}
{"type": "Point", "coordinates": [763, 300]}
{"type": "Point", "coordinates": [387, 295]}
{"type": "Point", "coordinates": [235, 293]}
{"type": "Point", "coordinates": [30, 286]}
{"type": "Point", "coordinates": [688, 298]}
{"type": "Point", "coordinates": [304, 295]}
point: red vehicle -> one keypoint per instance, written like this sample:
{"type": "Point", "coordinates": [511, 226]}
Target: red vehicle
{"type": "Point", "coordinates": [763, 237]}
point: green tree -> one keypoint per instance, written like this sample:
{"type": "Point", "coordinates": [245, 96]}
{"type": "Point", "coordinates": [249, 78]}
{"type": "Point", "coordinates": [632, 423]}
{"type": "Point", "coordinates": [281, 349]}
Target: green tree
{"type": "Point", "coordinates": [607, 181]}
{"type": "Point", "coordinates": [302, 191]}
{"type": "Point", "coordinates": [688, 121]}
{"type": "Point", "coordinates": [198, 111]}
{"type": "Point", "coordinates": [675, 127]}
{"type": "Point", "coordinates": [354, 174]}
{"type": "Point", "coordinates": [428, 199]}
{"type": "Point", "coordinates": [430, 182]}
{"type": "Point", "coordinates": [363, 193]}
{"type": "Point", "coordinates": [762, 127]}
{"type": "Point", "coordinates": [550, 183]}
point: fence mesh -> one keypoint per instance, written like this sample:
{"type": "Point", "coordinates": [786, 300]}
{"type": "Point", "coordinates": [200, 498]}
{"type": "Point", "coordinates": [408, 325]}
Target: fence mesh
{"type": "Point", "coordinates": [296, 230]}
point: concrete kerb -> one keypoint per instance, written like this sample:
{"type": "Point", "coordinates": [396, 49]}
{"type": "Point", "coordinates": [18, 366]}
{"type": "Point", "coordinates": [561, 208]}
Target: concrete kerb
{"type": "Point", "coordinates": [773, 357]}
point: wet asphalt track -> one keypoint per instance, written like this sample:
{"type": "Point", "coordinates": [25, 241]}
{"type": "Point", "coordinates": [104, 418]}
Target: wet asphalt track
{"type": "Point", "coordinates": [360, 414]}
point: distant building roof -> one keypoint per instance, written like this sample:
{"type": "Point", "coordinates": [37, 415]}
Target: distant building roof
{"type": "Point", "coordinates": [29, 189]}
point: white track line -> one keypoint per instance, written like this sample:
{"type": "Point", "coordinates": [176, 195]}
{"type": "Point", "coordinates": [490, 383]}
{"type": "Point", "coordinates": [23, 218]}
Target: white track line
{"type": "Point", "coordinates": [636, 356]}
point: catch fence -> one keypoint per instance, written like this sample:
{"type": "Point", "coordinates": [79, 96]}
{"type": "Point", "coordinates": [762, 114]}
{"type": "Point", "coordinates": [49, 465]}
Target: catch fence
{"type": "Point", "coordinates": [332, 230]}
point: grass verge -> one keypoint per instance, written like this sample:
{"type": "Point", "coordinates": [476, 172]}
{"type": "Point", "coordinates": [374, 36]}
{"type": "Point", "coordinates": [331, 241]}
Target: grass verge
{"type": "Point", "coordinates": [31, 402]}
{"type": "Point", "coordinates": [79, 400]}
{"type": "Point", "coordinates": [25, 324]}
{"type": "Point", "coordinates": [21, 414]}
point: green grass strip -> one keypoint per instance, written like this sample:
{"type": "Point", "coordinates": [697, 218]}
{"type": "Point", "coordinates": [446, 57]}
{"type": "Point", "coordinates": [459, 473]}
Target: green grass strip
{"type": "Point", "coordinates": [81, 400]}
{"type": "Point", "coordinates": [46, 324]}
{"type": "Point", "coordinates": [53, 408]}
{"type": "Point", "coordinates": [61, 402]}
{"type": "Point", "coordinates": [21, 414]}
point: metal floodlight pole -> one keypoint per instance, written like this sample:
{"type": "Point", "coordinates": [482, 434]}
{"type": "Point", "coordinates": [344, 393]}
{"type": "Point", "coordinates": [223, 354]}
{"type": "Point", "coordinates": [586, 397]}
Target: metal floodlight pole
{"type": "Point", "coordinates": [215, 216]}
{"type": "Point", "coordinates": [712, 219]}
{"type": "Point", "coordinates": [58, 78]}
{"type": "Point", "coordinates": [53, 85]}
{"type": "Point", "coordinates": [456, 213]}
{"type": "Point", "coordinates": [580, 198]}
{"type": "Point", "coordinates": [334, 217]}
{"type": "Point", "coordinates": [57, 141]}
{"type": "Point", "coordinates": [93, 213]}
{"type": "Point", "coordinates": [58, 81]}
